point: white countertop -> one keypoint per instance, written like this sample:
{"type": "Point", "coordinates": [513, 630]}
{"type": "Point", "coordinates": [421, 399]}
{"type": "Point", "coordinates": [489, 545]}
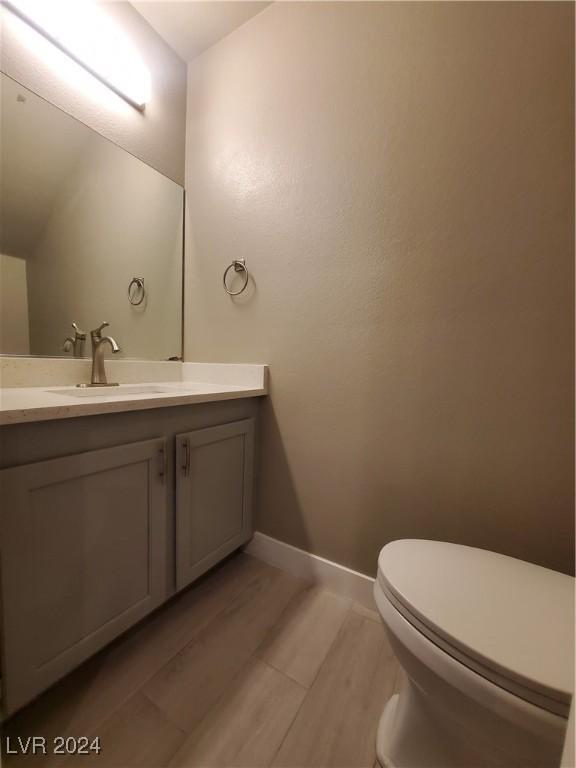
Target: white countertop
{"type": "Point", "coordinates": [26, 404]}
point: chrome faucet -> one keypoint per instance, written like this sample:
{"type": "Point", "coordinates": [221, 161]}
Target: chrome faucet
{"type": "Point", "coordinates": [98, 378]}
{"type": "Point", "coordinates": [76, 342]}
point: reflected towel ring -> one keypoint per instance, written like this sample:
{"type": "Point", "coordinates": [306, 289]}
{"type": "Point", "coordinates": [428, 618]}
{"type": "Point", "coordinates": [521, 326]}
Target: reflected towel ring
{"type": "Point", "coordinates": [138, 282]}
{"type": "Point", "coordinates": [239, 265]}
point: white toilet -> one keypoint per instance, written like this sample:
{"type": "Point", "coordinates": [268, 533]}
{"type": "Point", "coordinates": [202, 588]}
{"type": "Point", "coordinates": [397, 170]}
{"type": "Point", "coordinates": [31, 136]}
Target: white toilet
{"type": "Point", "coordinates": [486, 648]}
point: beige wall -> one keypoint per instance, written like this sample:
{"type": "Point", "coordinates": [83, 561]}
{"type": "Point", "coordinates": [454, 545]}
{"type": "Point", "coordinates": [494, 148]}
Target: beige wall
{"type": "Point", "coordinates": [113, 219]}
{"type": "Point", "coordinates": [156, 136]}
{"type": "Point", "coordinates": [399, 178]}
{"type": "Point", "coordinates": [14, 326]}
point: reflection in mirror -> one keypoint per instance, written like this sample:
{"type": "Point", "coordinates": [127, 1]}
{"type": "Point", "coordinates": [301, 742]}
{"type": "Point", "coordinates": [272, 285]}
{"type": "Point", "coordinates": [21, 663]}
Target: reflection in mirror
{"type": "Point", "coordinates": [80, 219]}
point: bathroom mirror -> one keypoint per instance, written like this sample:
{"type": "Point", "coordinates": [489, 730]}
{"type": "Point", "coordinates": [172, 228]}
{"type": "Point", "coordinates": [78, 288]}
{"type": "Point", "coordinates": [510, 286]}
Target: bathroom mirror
{"type": "Point", "coordinates": [88, 233]}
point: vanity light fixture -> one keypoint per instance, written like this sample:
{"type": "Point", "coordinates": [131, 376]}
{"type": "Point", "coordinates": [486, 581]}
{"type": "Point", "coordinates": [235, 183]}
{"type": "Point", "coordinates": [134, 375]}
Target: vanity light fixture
{"type": "Point", "coordinates": [88, 36]}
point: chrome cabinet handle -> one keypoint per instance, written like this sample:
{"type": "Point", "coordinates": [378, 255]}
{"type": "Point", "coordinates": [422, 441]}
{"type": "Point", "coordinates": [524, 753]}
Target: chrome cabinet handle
{"type": "Point", "coordinates": [162, 463]}
{"type": "Point", "coordinates": [186, 458]}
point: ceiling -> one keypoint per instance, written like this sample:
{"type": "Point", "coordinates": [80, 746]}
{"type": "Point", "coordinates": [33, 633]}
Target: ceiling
{"type": "Point", "coordinates": [192, 27]}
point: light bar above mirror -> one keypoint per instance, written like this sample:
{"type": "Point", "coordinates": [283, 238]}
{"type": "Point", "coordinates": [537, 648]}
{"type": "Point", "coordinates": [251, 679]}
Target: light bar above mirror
{"type": "Point", "coordinates": [83, 31]}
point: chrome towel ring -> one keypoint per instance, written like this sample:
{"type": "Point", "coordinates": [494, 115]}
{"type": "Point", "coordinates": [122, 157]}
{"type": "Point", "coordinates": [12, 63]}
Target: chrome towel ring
{"type": "Point", "coordinates": [239, 265]}
{"type": "Point", "coordinates": [136, 291]}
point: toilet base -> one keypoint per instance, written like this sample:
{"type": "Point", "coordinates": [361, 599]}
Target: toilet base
{"type": "Point", "coordinates": [410, 736]}
{"type": "Point", "coordinates": [415, 731]}
{"type": "Point", "coordinates": [384, 735]}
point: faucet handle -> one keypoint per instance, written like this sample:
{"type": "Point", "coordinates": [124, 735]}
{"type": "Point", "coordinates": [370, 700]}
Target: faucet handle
{"type": "Point", "coordinates": [97, 332]}
{"type": "Point", "coordinates": [79, 333]}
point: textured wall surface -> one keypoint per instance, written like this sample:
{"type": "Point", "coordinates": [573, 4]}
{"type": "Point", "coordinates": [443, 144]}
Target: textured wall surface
{"type": "Point", "coordinates": [399, 178]}
{"type": "Point", "coordinates": [14, 324]}
{"type": "Point", "coordinates": [156, 136]}
{"type": "Point", "coordinates": [113, 218]}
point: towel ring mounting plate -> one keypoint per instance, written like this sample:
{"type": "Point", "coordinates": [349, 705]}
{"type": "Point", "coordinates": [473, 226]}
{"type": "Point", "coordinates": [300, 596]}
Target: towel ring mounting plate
{"type": "Point", "coordinates": [135, 287]}
{"type": "Point", "coordinates": [238, 265]}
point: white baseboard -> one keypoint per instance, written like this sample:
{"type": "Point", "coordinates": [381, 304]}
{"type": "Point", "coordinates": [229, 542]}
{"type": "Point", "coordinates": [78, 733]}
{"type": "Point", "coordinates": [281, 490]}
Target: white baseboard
{"type": "Point", "coordinates": [336, 578]}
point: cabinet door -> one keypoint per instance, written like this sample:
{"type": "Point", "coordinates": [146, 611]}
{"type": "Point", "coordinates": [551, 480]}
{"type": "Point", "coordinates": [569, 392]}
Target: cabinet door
{"type": "Point", "coordinates": [214, 479]}
{"type": "Point", "coordinates": [83, 558]}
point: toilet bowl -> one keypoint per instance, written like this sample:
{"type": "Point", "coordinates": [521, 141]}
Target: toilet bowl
{"type": "Point", "coordinates": [485, 644]}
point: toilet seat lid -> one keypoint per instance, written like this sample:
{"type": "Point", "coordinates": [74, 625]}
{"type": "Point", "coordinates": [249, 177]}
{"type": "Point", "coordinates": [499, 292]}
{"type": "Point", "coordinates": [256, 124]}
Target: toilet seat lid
{"type": "Point", "coordinates": [512, 619]}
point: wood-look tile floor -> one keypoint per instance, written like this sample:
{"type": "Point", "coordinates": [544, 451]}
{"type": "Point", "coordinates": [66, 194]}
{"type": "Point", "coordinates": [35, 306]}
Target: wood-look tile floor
{"type": "Point", "coordinates": [249, 667]}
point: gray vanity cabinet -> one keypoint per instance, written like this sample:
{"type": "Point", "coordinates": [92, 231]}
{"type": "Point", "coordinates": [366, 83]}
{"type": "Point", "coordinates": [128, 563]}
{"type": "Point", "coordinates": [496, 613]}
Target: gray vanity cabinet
{"type": "Point", "coordinates": [103, 518]}
{"type": "Point", "coordinates": [214, 472]}
{"type": "Point", "coordinates": [69, 528]}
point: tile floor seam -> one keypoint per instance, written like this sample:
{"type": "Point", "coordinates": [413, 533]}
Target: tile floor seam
{"type": "Point", "coordinates": [205, 715]}
{"type": "Point", "coordinates": [296, 713]}
{"type": "Point", "coordinates": [142, 684]}
{"type": "Point", "coordinates": [241, 669]}
{"type": "Point", "coordinates": [165, 717]}
{"type": "Point", "coordinates": [308, 690]}
{"type": "Point", "coordinates": [357, 608]}
{"type": "Point", "coordinates": [195, 636]}
{"type": "Point", "coordinates": [280, 671]}
{"type": "Point", "coordinates": [270, 635]}
{"type": "Point", "coordinates": [93, 733]}
{"type": "Point", "coordinates": [209, 711]}
{"type": "Point", "coordinates": [216, 702]}
{"type": "Point", "coordinates": [329, 649]}
{"type": "Point", "coordinates": [163, 714]}
{"type": "Point", "coordinates": [256, 657]}
{"type": "Point", "coordinates": [215, 705]}
{"type": "Point", "coordinates": [277, 624]}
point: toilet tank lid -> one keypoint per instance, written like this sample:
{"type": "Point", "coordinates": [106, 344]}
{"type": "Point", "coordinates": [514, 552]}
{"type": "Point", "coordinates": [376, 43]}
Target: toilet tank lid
{"type": "Point", "coordinates": [514, 617]}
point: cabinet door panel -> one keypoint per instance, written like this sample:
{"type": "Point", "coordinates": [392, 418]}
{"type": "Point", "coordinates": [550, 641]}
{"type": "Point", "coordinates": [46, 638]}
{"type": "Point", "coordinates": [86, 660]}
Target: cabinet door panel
{"type": "Point", "coordinates": [83, 550]}
{"type": "Point", "coordinates": [214, 495]}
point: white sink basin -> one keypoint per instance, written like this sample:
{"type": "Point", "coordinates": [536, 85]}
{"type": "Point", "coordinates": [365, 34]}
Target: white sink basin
{"type": "Point", "coordinates": [123, 389]}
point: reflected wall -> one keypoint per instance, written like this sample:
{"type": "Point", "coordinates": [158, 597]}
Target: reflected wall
{"type": "Point", "coordinates": [80, 218]}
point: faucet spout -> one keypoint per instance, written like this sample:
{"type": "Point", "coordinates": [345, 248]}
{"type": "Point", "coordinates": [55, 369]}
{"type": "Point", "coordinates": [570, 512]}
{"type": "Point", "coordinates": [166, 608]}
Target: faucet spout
{"type": "Point", "coordinates": [98, 378]}
{"type": "Point", "coordinates": [110, 340]}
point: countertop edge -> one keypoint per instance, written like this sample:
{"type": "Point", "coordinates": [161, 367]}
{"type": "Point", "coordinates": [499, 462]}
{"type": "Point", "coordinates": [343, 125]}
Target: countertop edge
{"type": "Point", "coordinates": [9, 417]}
